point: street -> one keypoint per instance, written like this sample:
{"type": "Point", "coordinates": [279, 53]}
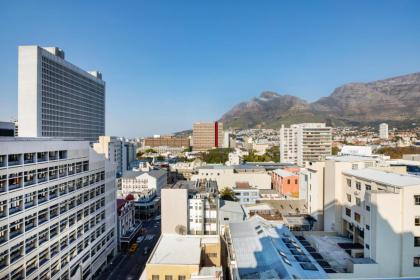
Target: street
{"type": "Point", "coordinates": [130, 266]}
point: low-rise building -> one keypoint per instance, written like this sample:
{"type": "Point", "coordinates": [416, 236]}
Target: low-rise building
{"type": "Point", "coordinates": [230, 212]}
{"type": "Point", "coordinates": [285, 182]}
{"type": "Point", "coordinates": [245, 193]}
{"type": "Point", "coordinates": [185, 257]}
{"type": "Point", "coordinates": [139, 182]}
{"type": "Point", "coordinates": [259, 249]}
{"type": "Point", "coordinates": [228, 176]}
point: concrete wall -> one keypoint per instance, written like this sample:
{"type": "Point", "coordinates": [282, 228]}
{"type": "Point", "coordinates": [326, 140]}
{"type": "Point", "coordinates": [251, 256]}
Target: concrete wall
{"type": "Point", "coordinates": [174, 210]}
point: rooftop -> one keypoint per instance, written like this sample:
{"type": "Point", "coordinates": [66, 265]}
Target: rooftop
{"type": "Point", "coordinates": [283, 173]}
{"type": "Point", "coordinates": [171, 249]}
{"type": "Point", "coordinates": [231, 206]}
{"type": "Point", "coordinates": [134, 174]}
{"type": "Point", "coordinates": [386, 178]}
{"type": "Point", "coordinates": [266, 251]}
{"type": "Point", "coordinates": [351, 158]}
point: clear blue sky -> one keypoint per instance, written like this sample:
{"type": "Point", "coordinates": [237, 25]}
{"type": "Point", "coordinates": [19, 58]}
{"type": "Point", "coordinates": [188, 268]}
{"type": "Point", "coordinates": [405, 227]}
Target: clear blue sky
{"type": "Point", "coordinates": [170, 63]}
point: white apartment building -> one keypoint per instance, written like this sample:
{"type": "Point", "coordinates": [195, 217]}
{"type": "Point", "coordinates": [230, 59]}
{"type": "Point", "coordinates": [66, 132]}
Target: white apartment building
{"type": "Point", "coordinates": [383, 131]}
{"type": "Point", "coordinates": [190, 208]}
{"type": "Point", "coordinates": [57, 209]}
{"type": "Point", "coordinates": [229, 176]}
{"type": "Point", "coordinates": [117, 150]}
{"type": "Point", "coordinates": [57, 98]}
{"type": "Point", "coordinates": [381, 211]}
{"type": "Point", "coordinates": [305, 142]}
{"type": "Point", "coordinates": [139, 182]}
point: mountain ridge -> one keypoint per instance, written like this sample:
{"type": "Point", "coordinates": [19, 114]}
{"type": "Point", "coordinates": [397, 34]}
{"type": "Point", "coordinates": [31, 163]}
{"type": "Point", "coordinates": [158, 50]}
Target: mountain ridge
{"type": "Point", "coordinates": [395, 100]}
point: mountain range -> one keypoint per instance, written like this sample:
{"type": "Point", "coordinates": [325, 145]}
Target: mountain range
{"type": "Point", "coordinates": [394, 100]}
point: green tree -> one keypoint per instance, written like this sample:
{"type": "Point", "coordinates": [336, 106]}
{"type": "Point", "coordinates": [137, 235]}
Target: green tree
{"type": "Point", "coordinates": [220, 155]}
{"type": "Point", "coordinates": [335, 150]}
{"type": "Point", "coordinates": [227, 194]}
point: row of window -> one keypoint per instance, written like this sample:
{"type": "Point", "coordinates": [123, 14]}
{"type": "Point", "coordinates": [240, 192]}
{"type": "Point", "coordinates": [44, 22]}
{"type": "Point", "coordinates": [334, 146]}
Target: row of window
{"type": "Point", "coordinates": [26, 224]}
{"type": "Point", "coordinates": [29, 158]}
{"type": "Point", "coordinates": [34, 264]}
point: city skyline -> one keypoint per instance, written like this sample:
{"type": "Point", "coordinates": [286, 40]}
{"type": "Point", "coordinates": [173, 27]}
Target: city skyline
{"type": "Point", "coordinates": [201, 59]}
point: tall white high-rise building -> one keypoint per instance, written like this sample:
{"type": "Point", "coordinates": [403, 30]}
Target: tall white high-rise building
{"type": "Point", "coordinates": [57, 209]}
{"type": "Point", "coordinates": [305, 142]}
{"type": "Point", "coordinates": [57, 98]}
{"type": "Point", "coordinates": [383, 131]}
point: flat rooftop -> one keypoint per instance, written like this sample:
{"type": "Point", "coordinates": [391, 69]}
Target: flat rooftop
{"type": "Point", "coordinates": [386, 178]}
{"type": "Point", "coordinates": [266, 251]}
{"type": "Point", "coordinates": [180, 249]}
{"type": "Point", "coordinates": [351, 158]}
{"type": "Point", "coordinates": [283, 173]}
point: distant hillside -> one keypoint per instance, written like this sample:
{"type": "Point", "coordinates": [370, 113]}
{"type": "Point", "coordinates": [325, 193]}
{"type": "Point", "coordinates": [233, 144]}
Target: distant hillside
{"type": "Point", "coordinates": [394, 100]}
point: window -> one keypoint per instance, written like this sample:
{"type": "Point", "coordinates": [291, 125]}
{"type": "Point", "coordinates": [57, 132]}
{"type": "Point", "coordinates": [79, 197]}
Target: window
{"type": "Point", "coordinates": [358, 201]}
{"type": "Point", "coordinates": [368, 187]}
{"type": "Point", "coordinates": [358, 186]}
{"type": "Point", "coordinates": [349, 197]}
{"type": "Point", "coordinates": [416, 241]}
{"type": "Point", "coordinates": [168, 277]}
{"type": "Point", "coordinates": [225, 219]}
{"type": "Point", "coordinates": [357, 217]}
{"type": "Point", "coordinates": [416, 261]}
{"type": "Point", "coordinates": [155, 277]}
{"type": "Point", "coordinates": [367, 227]}
{"type": "Point", "coordinates": [181, 277]}
{"type": "Point", "coordinates": [348, 183]}
{"type": "Point", "coordinates": [367, 246]}
{"type": "Point", "coordinates": [417, 200]}
{"type": "Point", "coordinates": [348, 212]}
{"type": "Point", "coordinates": [367, 208]}
{"type": "Point", "coordinates": [355, 166]}
{"type": "Point", "coordinates": [417, 221]}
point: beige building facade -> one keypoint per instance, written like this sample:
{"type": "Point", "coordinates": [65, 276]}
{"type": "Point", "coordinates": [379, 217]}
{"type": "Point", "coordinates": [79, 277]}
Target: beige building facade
{"type": "Point", "coordinates": [207, 136]}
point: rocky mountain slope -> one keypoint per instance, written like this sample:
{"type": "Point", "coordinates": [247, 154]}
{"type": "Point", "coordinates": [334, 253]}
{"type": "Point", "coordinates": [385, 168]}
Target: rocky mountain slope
{"type": "Point", "coordinates": [395, 100]}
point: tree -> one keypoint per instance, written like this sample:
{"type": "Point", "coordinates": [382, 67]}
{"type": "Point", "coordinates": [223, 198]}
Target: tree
{"type": "Point", "coordinates": [181, 230]}
{"type": "Point", "coordinates": [139, 154]}
{"type": "Point", "coordinates": [150, 151]}
{"type": "Point", "coordinates": [335, 150]}
{"type": "Point", "coordinates": [227, 194]}
{"type": "Point", "coordinates": [219, 155]}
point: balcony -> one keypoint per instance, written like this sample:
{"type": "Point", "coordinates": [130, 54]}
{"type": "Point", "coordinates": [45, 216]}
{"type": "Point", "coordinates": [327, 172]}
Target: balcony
{"type": "Point", "coordinates": [14, 210]}
{"type": "Point", "coordinates": [30, 247]}
{"type": "Point", "coordinates": [15, 256]}
{"type": "Point", "coordinates": [30, 270]}
{"type": "Point", "coordinates": [29, 204]}
{"type": "Point", "coordinates": [13, 185]}
{"type": "Point", "coordinates": [15, 233]}
{"type": "Point", "coordinates": [42, 199]}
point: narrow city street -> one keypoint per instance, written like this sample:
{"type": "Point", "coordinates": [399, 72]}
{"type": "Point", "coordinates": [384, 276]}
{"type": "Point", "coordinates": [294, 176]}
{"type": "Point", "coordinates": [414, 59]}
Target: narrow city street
{"type": "Point", "coordinates": [130, 266]}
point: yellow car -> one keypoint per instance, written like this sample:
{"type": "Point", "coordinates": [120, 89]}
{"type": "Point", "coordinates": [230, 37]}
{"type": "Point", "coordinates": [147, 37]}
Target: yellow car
{"type": "Point", "coordinates": [133, 248]}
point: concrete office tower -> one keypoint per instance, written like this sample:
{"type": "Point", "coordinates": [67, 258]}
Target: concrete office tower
{"type": "Point", "coordinates": [305, 142]}
{"type": "Point", "coordinates": [58, 212]}
{"type": "Point", "coordinates": [207, 136]}
{"type": "Point", "coordinates": [56, 98]}
{"type": "Point", "coordinates": [383, 131]}
{"type": "Point", "coordinates": [117, 150]}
